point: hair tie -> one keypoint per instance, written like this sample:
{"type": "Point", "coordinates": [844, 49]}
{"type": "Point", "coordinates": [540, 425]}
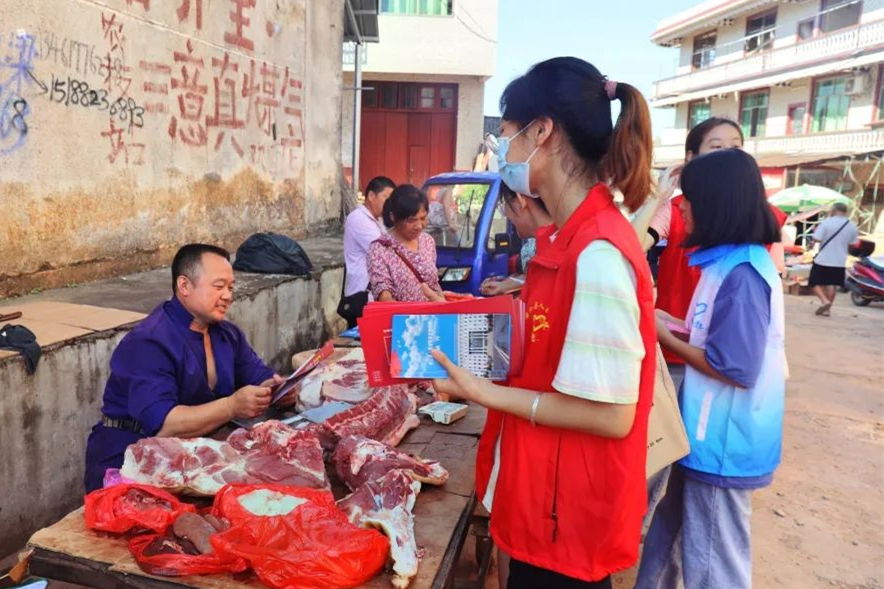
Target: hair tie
{"type": "Point", "coordinates": [611, 89]}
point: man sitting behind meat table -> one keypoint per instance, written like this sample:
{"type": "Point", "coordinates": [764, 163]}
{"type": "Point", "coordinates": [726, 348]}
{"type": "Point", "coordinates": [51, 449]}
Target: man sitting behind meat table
{"type": "Point", "coordinates": [183, 371]}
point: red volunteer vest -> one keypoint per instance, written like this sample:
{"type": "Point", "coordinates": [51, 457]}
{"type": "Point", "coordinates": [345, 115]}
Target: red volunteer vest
{"type": "Point", "coordinates": [676, 281]}
{"type": "Point", "coordinates": [568, 501]}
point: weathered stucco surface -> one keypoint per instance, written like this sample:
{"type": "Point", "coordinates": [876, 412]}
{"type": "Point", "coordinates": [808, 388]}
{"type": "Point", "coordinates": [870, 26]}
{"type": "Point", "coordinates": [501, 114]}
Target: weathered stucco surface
{"type": "Point", "coordinates": [45, 418]}
{"type": "Point", "coordinates": [128, 127]}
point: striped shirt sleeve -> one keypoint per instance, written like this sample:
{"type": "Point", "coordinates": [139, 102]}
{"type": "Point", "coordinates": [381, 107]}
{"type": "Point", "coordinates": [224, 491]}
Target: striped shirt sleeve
{"type": "Point", "coordinates": [603, 350]}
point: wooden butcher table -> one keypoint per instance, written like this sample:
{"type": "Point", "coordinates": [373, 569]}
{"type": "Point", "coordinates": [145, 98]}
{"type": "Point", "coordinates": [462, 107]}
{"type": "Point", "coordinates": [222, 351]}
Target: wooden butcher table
{"type": "Point", "coordinates": [67, 551]}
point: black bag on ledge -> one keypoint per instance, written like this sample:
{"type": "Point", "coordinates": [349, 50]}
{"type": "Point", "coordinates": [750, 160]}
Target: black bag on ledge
{"type": "Point", "coordinates": [22, 340]}
{"type": "Point", "coordinates": [272, 253]}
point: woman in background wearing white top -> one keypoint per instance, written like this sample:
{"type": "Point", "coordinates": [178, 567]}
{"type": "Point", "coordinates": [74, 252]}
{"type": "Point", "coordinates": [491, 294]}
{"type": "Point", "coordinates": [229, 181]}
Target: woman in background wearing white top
{"type": "Point", "coordinates": [362, 227]}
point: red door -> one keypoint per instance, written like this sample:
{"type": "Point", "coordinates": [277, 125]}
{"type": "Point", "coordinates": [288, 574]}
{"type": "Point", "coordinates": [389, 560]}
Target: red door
{"type": "Point", "coordinates": [418, 164]}
{"type": "Point", "coordinates": [408, 131]}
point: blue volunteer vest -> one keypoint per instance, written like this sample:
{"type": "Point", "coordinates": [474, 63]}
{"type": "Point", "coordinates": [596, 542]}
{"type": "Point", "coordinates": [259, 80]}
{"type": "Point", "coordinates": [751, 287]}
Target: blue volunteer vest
{"type": "Point", "coordinates": [734, 432]}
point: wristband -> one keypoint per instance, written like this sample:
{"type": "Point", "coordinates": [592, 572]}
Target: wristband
{"type": "Point", "coordinates": [534, 406]}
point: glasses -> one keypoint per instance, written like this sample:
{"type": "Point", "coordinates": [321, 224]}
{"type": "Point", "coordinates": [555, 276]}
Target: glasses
{"type": "Point", "coordinates": [491, 143]}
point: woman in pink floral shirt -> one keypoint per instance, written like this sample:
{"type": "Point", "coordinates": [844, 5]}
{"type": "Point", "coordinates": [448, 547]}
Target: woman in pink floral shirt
{"type": "Point", "coordinates": [390, 278]}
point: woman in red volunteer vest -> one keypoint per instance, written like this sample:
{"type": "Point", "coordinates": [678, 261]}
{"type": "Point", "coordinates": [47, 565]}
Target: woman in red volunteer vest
{"type": "Point", "coordinates": [676, 281]}
{"type": "Point", "coordinates": [561, 463]}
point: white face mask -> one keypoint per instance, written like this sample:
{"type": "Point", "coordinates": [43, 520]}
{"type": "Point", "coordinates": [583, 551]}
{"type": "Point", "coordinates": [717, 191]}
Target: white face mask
{"type": "Point", "coordinates": [516, 175]}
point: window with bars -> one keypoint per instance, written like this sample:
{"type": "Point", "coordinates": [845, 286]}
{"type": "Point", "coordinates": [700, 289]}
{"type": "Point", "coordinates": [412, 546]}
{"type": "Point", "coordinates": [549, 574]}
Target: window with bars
{"type": "Point", "coordinates": [753, 113]}
{"type": "Point", "coordinates": [830, 105]}
{"type": "Point", "coordinates": [698, 112]}
{"type": "Point", "coordinates": [417, 7]}
{"type": "Point", "coordinates": [760, 31]}
{"type": "Point", "coordinates": [409, 96]}
{"type": "Point", "coordinates": [704, 50]}
{"type": "Point", "coordinates": [446, 97]}
{"type": "Point", "coordinates": [839, 14]}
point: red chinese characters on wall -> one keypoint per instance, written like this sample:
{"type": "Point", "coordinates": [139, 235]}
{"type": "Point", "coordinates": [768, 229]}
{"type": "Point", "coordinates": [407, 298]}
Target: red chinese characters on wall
{"type": "Point", "coordinates": [184, 10]}
{"type": "Point", "coordinates": [225, 116]}
{"type": "Point", "coordinates": [220, 99]}
{"type": "Point", "coordinates": [240, 23]}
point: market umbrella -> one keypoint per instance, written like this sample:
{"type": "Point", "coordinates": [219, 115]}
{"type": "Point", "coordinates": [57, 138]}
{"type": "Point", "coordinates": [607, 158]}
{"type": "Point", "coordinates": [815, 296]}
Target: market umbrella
{"type": "Point", "coordinates": [806, 197]}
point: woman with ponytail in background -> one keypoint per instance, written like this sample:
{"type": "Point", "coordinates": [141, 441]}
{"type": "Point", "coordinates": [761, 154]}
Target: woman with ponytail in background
{"type": "Point", "coordinates": [562, 457]}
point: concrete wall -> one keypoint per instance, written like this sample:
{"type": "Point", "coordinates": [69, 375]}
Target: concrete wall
{"type": "Point", "coordinates": [470, 118]}
{"type": "Point", "coordinates": [132, 126]}
{"type": "Point", "coordinates": [461, 44]}
{"type": "Point", "coordinates": [45, 419]}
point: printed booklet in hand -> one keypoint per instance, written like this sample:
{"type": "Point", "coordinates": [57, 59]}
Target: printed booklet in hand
{"type": "Point", "coordinates": [478, 342]}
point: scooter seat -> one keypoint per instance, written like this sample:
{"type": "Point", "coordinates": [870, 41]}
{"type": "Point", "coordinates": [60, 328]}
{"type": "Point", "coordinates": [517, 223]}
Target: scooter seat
{"type": "Point", "coordinates": [877, 263]}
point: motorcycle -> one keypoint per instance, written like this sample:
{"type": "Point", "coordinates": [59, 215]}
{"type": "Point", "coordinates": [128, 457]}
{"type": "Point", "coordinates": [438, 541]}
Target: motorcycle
{"type": "Point", "coordinates": [865, 279]}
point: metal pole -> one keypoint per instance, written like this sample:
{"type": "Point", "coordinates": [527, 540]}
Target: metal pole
{"type": "Point", "coordinates": [357, 115]}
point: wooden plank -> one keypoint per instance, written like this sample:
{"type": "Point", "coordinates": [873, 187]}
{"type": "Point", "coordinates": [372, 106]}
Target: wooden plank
{"type": "Point", "coordinates": [444, 578]}
{"type": "Point", "coordinates": [470, 424]}
{"type": "Point", "coordinates": [80, 571]}
{"type": "Point", "coordinates": [458, 455]}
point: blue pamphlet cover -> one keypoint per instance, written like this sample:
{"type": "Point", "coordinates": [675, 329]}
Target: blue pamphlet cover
{"type": "Point", "coordinates": [477, 342]}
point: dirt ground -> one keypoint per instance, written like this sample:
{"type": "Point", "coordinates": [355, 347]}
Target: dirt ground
{"type": "Point", "coordinates": [821, 524]}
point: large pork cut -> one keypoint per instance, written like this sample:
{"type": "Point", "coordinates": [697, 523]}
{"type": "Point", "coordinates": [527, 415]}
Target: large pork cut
{"type": "Point", "coordinates": [358, 459]}
{"type": "Point", "coordinates": [270, 453]}
{"type": "Point", "coordinates": [386, 416]}
{"type": "Point", "coordinates": [347, 379]}
{"type": "Point", "coordinates": [386, 504]}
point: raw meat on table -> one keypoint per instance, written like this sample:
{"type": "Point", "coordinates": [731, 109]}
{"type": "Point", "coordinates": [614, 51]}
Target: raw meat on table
{"type": "Point", "coordinates": [270, 452]}
{"type": "Point", "coordinates": [386, 417]}
{"type": "Point", "coordinates": [358, 459]}
{"type": "Point", "coordinates": [347, 379]}
{"type": "Point", "coordinates": [387, 504]}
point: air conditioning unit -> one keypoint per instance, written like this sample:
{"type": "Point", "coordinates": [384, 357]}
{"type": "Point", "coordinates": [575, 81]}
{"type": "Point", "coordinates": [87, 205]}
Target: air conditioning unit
{"type": "Point", "coordinates": [856, 85]}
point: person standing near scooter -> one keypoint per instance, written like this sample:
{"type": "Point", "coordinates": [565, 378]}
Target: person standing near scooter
{"type": "Point", "coordinates": [835, 235]}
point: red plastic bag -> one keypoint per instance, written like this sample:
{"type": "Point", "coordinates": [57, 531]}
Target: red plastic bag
{"type": "Point", "coordinates": [181, 564]}
{"type": "Point", "coordinates": [313, 547]}
{"type": "Point", "coordinates": [125, 507]}
{"type": "Point", "coordinates": [228, 500]}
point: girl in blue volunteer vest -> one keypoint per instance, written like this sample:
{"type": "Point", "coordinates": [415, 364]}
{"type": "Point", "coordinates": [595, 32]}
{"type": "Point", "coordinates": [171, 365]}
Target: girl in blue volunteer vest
{"type": "Point", "coordinates": [732, 396]}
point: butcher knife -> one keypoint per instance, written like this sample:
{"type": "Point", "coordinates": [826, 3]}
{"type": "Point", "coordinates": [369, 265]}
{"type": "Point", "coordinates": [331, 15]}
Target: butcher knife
{"type": "Point", "coordinates": [319, 414]}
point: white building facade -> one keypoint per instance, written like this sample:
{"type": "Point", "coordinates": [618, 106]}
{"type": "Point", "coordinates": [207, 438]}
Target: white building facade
{"type": "Point", "coordinates": [803, 78]}
{"type": "Point", "coordinates": [423, 87]}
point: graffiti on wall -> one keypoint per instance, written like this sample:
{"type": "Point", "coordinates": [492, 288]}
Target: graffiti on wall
{"type": "Point", "coordinates": [15, 79]}
{"type": "Point", "coordinates": [204, 98]}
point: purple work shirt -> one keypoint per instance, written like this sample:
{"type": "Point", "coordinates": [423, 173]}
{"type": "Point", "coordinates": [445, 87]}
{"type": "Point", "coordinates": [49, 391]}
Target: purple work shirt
{"type": "Point", "coordinates": [161, 364]}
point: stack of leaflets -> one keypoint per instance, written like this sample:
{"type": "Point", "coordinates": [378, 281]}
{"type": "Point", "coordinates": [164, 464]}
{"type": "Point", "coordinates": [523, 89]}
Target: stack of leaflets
{"type": "Point", "coordinates": [484, 336]}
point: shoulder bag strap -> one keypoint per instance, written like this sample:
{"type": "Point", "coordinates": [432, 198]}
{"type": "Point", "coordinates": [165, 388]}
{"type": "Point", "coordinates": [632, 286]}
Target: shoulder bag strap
{"type": "Point", "coordinates": [834, 235]}
{"type": "Point", "coordinates": [405, 260]}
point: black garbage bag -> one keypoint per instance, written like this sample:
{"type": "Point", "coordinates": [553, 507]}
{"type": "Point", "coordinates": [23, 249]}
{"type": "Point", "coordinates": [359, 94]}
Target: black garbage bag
{"type": "Point", "coordinates": [272, 253]}
{"type": "Point", "coordinates": [22, 340]}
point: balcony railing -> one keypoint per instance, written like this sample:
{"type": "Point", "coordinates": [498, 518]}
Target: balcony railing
{"type": "Point", "coordinates": [793, 56]}
{"type": "Point", "coordinates": [838, 143]}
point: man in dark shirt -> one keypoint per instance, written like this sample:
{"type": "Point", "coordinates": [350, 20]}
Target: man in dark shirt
{"type": "Point", "coordinates": [182, 372]}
